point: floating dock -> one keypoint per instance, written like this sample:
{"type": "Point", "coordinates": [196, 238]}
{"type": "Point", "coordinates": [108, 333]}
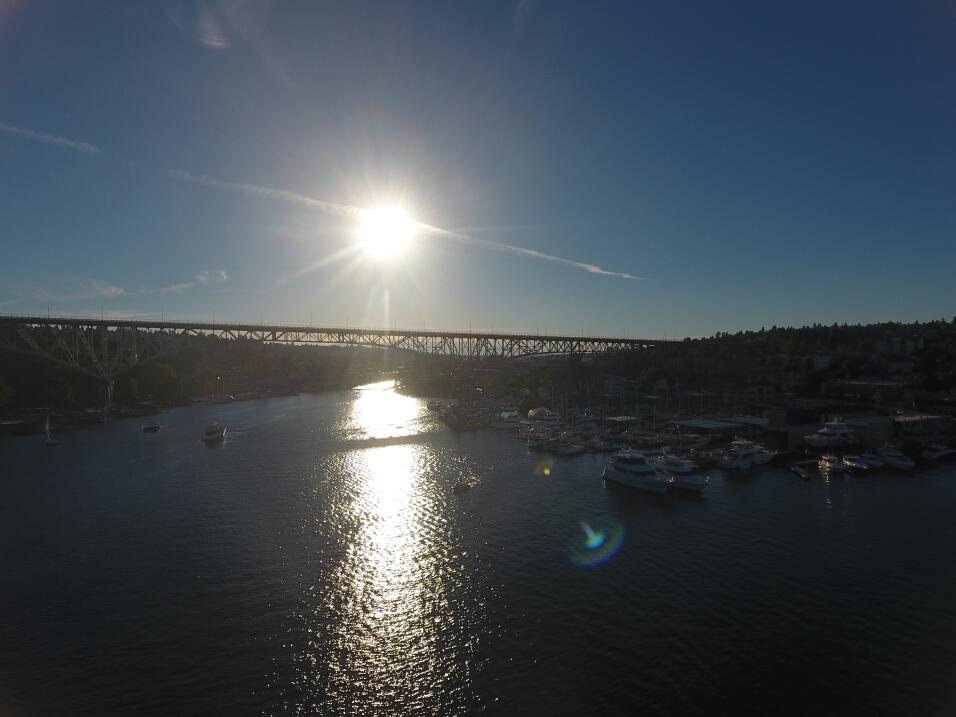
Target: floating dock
{"type": "Point", "coordinates": [803, 469]}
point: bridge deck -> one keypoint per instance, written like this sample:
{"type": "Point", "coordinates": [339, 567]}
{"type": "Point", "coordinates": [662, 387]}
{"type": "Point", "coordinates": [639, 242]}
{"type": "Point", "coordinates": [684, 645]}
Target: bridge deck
{"type": "Point", "coordinates": [218, 326]}
{"type": "Point", "coordinates": [104, 347]}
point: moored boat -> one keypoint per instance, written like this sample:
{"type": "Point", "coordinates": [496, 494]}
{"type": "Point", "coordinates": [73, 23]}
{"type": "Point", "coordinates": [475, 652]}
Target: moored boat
{"type": "Point", "coordinates": [685, 473]}
{"type": "Point", "coordinates": [213, 433]}
{"type": "Point", "coordinates": [895, 458]}
{"type": "Point", "coordinates": [742, 455]}
{"type": "Point", "coordinates": [833, 433]}
{"type": "Point", "coordinates": [507, 420]}
{"type": "Point", "coordinates": [632, 469]}
{"type": "Point", "coordinates": [855, 464]}
{"type": "Point", "coordinates": [936, 453]}
{"type": "Point", "coordinates": [543, 415]}
{"type": "Point", "coordinates": [830, 464]}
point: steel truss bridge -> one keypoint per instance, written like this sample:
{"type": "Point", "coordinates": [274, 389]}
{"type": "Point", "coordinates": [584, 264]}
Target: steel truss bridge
{"type": "Point", "coordinates": [106, 347]}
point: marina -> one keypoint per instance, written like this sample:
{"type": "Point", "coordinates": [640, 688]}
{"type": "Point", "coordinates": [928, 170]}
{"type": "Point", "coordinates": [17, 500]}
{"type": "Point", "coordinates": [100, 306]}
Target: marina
{"type": "Point", "coordinates": [183, 543]}
{"type": "Point", "coordinates": [478, 358]}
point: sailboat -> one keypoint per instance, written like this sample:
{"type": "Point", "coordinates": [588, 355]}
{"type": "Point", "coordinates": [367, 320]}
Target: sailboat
{"type": "Point", "coordinates": [49, 439]}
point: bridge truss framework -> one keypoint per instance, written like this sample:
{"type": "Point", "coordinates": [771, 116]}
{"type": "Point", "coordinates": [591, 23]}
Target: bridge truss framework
{"type": "Point", "coordinates": [104, 348]}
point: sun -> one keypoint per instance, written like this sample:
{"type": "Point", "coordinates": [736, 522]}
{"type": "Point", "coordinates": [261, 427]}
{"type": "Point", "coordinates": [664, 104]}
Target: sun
{"type": "Point", "coordinates": [385, 232]}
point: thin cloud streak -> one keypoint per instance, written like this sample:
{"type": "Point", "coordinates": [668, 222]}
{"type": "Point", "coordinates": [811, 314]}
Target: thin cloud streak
{"type": "Point", "coordinates": [51, 139]}
{"type": "Point", "coordinates": [520, 250]}
{"type": "Point", "coordinates": [280, 195]}
{"type": "Point", "coordinates": [85, 289]}
{"type": "Point", "coordinates": [338, 209]}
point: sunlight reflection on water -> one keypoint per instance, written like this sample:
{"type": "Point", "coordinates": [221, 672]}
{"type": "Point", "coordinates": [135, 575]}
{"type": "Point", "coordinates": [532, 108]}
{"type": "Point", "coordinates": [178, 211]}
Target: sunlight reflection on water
{"type": "Point", "coordinates": [388, 627]}
{"type": "Point", "coordinates": [380, 412]}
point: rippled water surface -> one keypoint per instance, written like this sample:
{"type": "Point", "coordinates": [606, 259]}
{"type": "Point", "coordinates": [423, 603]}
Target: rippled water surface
{"type": "Point", "coordinates": [320, 561]}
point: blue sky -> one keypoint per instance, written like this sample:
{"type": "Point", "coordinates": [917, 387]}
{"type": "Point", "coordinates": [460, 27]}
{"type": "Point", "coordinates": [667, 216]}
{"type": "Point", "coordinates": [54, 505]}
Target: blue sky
{"type": "Point", "coordinates": [755, 163]}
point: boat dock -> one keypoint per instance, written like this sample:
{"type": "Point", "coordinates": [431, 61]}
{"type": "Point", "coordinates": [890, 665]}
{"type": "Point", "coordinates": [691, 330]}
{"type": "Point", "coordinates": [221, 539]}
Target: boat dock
{"type": "Point", "coordinates": [803, 469]}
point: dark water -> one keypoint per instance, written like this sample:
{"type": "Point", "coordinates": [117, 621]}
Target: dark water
{"type": "Point", "coordinates": [319, 561]}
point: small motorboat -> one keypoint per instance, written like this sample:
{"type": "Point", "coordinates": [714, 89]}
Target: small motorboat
{"type": "Point", "coordinates": [855, 464]}
{"type": "Point", "coordinates": [213, 433]}
{"type": "Point", "coordinates": [151, 427]}
{"type": "Point", "coordinates": [938, 453]}
{"type": "Point", "coordinates": [570, 449]}
{"type": "Point", "coordinates": [464, 486]}
{"type": "Point", "coordinates": [895, 458]}
{"type": "Point", "coordinates": [830, 464]}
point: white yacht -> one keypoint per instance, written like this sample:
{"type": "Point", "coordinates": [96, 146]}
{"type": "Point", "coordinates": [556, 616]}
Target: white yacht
{"type": "Point", "coordinates": [213, 433]}
{"type": "Point", "coordinates": [830, 464]}
{"type": "Point", "coordinates": [543, 415]}
{"type": "Point", "coordinates": [632, 469]}
{"type": "Point", "coordinates": [855, 464]}
{"type": "Point", "coordinates": [872, 460]}
{"type": "Point", "coordinates": [743, 455]}
{"type": "Point", "coordinates": [507, 420]}
{"type": "Point", "coordinates": [567, 447]}
{"type": "Point", "coordinates": [833, 433]}
{"type": "Point", "coordinates": [894, 458]}
{"type": "Point", "coordinates": [938, 453]}
{"type": "Point", "coordinates": [685, 473]}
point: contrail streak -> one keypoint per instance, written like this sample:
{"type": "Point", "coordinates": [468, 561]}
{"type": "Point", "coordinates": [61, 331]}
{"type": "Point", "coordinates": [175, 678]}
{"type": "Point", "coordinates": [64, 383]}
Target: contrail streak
{"type": "Point", "coordinates": [336, 208]}
{"type": "Point", "coordinates": [280, 195]}
{"type": "Point", "coordinates": [52, 139]}
{"type": "Point", "coordinates": [512, 249]}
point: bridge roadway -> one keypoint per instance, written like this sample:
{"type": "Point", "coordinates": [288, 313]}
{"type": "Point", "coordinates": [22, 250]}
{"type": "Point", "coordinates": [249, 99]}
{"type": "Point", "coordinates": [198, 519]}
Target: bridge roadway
{"type": "Point", "coordinates": [105, 347]}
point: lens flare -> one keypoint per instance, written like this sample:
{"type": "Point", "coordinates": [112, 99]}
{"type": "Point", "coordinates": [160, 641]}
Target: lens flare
{"type": "Point", "coordinates": [544, 468]}
{"type": "Point", "coordinates": [595, 541]}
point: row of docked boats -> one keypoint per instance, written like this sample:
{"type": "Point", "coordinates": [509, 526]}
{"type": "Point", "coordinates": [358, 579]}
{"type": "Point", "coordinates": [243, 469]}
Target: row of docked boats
{"type": "Point", "coordinates": [659, 472]}
{"type": "Point", "coordinates": [886, 456]}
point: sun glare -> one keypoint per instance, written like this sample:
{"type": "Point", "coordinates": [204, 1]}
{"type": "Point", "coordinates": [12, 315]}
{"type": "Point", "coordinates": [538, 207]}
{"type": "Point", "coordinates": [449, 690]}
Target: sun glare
{"type": "Point", "coordinates": [385, 231]}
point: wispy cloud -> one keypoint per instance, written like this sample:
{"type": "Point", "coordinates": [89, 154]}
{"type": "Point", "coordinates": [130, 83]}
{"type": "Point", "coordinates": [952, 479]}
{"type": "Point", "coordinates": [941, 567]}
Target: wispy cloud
{"type": "Point", "coordinates": [176, 288]}
{"type": "Point", "coordinates": [212, 277]}
{"type": "Point", "coordinates": [523, 251]}
{"type": "Point", "coordinates": [280, 195]}
{"type": "Point", "coordinates": [338, 209]}
{"type": "Point", "coordinates": [71, 290]}
{"type": "Point", "coordinates": [51, 139]}
{"type": "Point", "coordinates": [208, 277]}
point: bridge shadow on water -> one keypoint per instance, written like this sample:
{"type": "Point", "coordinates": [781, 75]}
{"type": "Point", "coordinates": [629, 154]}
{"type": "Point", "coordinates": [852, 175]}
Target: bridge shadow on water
{"type": "Point", "coordinates": [344, 446]}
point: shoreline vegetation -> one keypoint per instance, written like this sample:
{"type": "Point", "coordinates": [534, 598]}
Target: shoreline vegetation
{"type": "Point", "coordinates": [883, 367]}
